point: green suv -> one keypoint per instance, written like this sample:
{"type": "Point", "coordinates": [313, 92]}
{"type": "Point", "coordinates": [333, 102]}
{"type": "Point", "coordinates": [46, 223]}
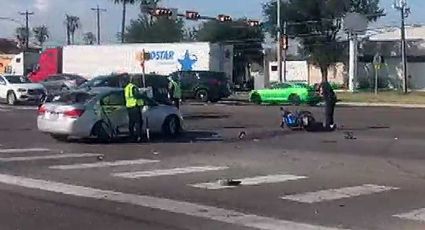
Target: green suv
{"type": "Point", "coordinates": [293, 93]}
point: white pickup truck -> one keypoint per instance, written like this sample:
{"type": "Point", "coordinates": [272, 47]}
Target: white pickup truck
{"type": "Point", "coordinates": [17, 88]}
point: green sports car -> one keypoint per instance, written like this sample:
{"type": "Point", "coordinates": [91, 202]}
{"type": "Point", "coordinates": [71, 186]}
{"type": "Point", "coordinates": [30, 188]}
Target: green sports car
{"type": "Point", "coordinates": [293, 93]}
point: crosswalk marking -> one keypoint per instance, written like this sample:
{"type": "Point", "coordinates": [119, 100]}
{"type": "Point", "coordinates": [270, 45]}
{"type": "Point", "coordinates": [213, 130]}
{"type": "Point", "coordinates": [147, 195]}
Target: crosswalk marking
{"type": "Point", "coordinates": [104, 164]}
{"type": "Point", "coordinates": [167, 205]}
{"type": "Point", "coordinates": [48, 157]}
{"type": "Point", "coordinates": [167, 172]}
{"type": "Point", "coordinates": [24, 150]}
{"type": "Point", "coordinates": [416, 215]}
{"type": "Point", "coordinates": [335, 194]}
{"type": "Point", "coordinates": [251, 181]}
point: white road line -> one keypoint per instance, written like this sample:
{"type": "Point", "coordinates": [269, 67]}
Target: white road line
{"type": "Point", "coordinates": [335, 194]}
{"type": "Point", "coordinates": [24, 150]}
{"type": "Point", "coordinates": [172, 206]}
{"type": "Point", "coordinates": [167, 172]}
{"type": "Point", "coordinates": [104, 164]}
{"type": "Point", "coordinates": [416, 215]}
{"type": "Point", "coordinates": [251, 181]}
{"type": "Point", "coordinates": [48, 157]}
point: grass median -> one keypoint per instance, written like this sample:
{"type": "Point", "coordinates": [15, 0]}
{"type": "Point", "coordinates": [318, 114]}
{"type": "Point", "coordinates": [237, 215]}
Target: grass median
{"type": "Point", "coordinates": [388, 97]}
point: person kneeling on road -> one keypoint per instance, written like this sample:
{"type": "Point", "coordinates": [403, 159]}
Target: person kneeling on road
{"type": "Point", "coordinates": [134, 103]}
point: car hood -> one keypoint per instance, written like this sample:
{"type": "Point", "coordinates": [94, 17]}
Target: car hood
{"type": "Point", "coordinates": [28, 86]}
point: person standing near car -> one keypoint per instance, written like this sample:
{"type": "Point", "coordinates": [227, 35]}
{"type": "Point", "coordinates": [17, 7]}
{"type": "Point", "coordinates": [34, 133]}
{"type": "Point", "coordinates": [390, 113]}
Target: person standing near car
{"type": "Point", "coordinates": [330, 99]}
{"type": "Point", "coordinates": [134, 103]}
{"type": "Point", "coordinates": [174, 91]}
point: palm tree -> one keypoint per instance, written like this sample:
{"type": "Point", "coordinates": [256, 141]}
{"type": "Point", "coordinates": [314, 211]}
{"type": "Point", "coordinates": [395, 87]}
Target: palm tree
{"type": "Point", "coordinates": [89, 38]}
{"type": "Point", "coordinates": [124, 11]}
{"type": "Point", "coordinates": [21, 35]}
{"type": "Point", "coordinates": [72, 24]}
{"type": "Point", "coordinates": [41, 34]}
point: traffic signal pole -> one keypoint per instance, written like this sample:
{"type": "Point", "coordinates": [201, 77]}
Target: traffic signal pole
{"type": "Point", "coordinates": [285, 48]}
{"type": "Point", "coordinates": [279, 43]}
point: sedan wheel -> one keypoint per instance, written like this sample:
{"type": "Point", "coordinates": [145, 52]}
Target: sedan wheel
{"type": "Point", "coordinates": [11, 98]}
{"type": "Point", "coordinates": [294, 99]}
{"type": "Point", "coordinates": [171, 126]}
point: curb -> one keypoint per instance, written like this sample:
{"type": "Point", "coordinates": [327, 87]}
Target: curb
{"type": "Point", "coordinates": [395, 105]}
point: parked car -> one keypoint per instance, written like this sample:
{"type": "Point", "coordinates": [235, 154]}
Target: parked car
{"type": "Point", "coordinates": [17, 88]}
{"type": "Point", "coordinates": [101, 113]}
{"type": "Point", "coordinates": [159, 84]}
{"type": "Point", "coordinates": [203, 85]}
{"type": "Point", "coordinates": [294, 93]}
{"type": "Point", "coordinates": [60, 82]}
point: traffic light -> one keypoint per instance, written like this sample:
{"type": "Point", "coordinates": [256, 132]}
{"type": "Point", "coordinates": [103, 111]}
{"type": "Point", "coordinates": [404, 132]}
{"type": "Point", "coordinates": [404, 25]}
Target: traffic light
{"type": "Point", "coordinates": [253, 23]}
{"type": "Point", "coordinates": [192, 15]}
{"type": "Point", "coordinates": [161, 12]}
{"type": "Point", "coordinates": [143, 56]}
{"type": "Point", "coordinates": [224, 18]}
{"type": "Point", "coordinates": [284, 42]}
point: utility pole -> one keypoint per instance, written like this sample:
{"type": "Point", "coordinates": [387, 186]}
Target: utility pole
{"type": "Point", "coordinates": [285, 49]}
{"type": "Point", "coordinates": [404, 13]}
{"type": "Point", "coordinates": [98, 11]}
{"type": "Point", "coordinates": [279, 42]}
{"type": "Point", "coordinates": [27, 30]}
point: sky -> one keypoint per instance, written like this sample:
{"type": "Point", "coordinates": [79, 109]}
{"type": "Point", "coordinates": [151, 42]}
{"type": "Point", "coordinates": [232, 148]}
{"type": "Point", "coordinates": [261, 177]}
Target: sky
{"type": "Point", "coordinates": [52, 13]}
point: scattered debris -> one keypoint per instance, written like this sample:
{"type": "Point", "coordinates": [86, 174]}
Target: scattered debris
{"type": "Point", "coordinates": [155, 152]}
{"type": "Point", "coordinates": [229, 182]}
{"type": "Point", "coordinates": [316, 212]}
{"type": "Point", "coordinates": [342, 205]}
{"type": "Point", "coordinates": [349, 136]}
{"type": "Point", "coordinates": [256, 140]}
{"type": "Point", "coordinates": [395, 138]}
{"type": "Point", "coordinates": [100, 157]}
{"type": "Point", "coordinates": [61, 152]}
{"type": "Point", "coordinates": [242, 135]}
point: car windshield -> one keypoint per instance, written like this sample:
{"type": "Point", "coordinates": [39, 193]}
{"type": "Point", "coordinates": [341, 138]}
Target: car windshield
{"type": "Point", "coordinates": [17, 79]}
{"type": "Point", "coordinates": [74, 98]}
{"type": "Point", "coordinates": [95, 82]}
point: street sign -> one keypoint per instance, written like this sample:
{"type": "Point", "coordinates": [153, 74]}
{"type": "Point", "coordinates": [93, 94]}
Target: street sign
{"type": "Point", "coordinates": [377, 61]}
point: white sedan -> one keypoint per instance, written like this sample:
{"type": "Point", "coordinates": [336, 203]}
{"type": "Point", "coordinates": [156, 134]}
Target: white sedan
{"type": "Point", "coordinates": [16, 88]}
{"type": "Point", "coordinates": [101, 113]}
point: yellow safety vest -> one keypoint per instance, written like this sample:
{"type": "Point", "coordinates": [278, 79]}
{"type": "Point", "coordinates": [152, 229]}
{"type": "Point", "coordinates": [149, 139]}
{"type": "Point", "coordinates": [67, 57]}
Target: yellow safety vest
{"type": "Point", "coordinates": [177, 90]}
{"type": "Point", "coordinates": [130, 100]}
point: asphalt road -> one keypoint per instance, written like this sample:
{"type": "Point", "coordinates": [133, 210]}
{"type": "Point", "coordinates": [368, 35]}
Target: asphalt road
{"type": "Point", "coordinates": [290, 179]}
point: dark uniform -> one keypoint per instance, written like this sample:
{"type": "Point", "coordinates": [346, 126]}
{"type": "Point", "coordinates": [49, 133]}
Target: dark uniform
{"type": "Point", "coordinates": [134, 103]}
{"type": "Point", "coordinates": [330, 99]}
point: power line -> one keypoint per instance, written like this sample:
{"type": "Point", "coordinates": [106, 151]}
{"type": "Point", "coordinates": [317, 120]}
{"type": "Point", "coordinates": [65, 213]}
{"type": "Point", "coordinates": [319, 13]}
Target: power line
{"type": "Point", "coordinates": [98, 11]}
{"type": "Point", "coordinates": [27, 30]}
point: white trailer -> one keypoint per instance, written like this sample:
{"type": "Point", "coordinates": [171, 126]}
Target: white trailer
{"type": "Point", "coordinates": [91, 61]}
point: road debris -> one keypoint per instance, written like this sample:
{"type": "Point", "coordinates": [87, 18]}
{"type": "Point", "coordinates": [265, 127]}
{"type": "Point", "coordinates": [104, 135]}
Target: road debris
{"type": "Point", "coordinates": [349, 136]}
{"type": "Point", "coordinates": [155, 152]}
{"type": "Point", "coordinates": [229, 182]}
{"type": "Point", "coordinates": [100, 157]}
{"type": "Point", "coordinates": [242, 135]}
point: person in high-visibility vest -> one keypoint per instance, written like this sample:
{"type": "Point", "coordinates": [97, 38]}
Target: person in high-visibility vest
{"type": "Point", "coordinates": [175, 91]}
{"type": "Point", "coordinates": [134, 103]}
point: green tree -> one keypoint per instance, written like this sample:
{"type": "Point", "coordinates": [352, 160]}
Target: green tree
{"type": "Point", "coordinates": [21, 35]}
{"type": "Point", "coordinates": [318, 23]}
{"type": "Point", "coordinates": [72, 23]}
{"type": "Point", "coordinates": [214, 31]}
{"type": "Point", "coordinates": [89, 38]}
{"type": "Point", "coordinates": [41, 34]}
{"type": "Point", "coordinates": [161, 29]}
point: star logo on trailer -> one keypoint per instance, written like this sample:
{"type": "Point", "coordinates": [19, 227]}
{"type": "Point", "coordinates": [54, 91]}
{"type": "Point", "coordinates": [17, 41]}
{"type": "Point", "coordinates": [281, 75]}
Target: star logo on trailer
{"type": "Point", "coordinates": [188, 61]}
